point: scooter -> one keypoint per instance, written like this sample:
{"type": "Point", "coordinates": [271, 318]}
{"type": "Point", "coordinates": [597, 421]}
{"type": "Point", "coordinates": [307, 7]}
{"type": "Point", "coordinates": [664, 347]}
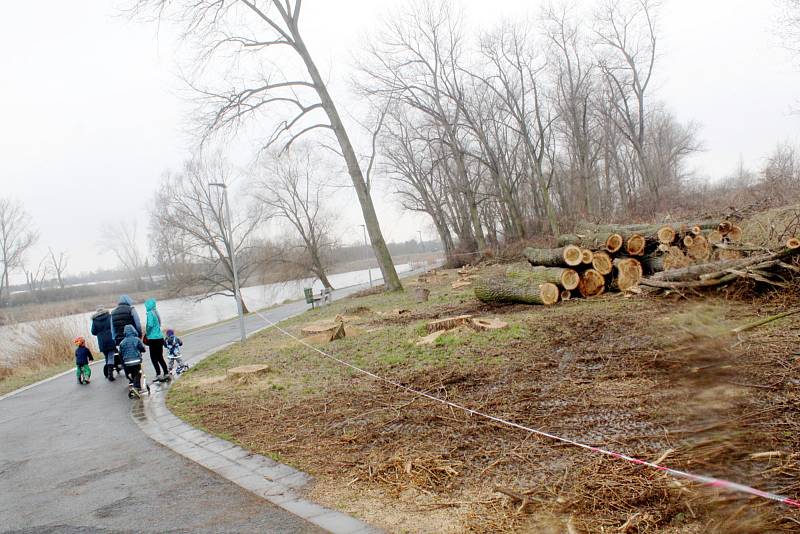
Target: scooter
{"type": "Point", "coordinates": [134, 393]}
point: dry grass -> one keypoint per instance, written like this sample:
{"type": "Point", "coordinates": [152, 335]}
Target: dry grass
{"type": "Point", "coordinates": [642, 376]}
{"type": "Point", "coordinates": [40, 350]}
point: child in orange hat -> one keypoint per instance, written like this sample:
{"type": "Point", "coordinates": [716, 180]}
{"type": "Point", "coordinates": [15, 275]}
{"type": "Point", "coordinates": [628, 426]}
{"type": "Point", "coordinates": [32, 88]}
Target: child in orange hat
{"type": "Point", "coordinates": [82, 358]}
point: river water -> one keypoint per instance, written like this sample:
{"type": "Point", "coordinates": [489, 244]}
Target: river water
{"type": "Point", "coordinates": [182, 314]}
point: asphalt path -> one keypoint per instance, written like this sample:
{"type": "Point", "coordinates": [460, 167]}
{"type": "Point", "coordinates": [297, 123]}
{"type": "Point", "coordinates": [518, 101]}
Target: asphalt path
{"type": "Point", "coordinates": [73, 460]}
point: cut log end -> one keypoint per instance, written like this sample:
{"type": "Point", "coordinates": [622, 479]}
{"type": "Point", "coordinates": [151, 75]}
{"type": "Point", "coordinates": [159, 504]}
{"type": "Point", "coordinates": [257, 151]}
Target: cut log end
{"type": "Point", "coordinates": [635, 244]}
{"type": "Point", "coordinates": [700, 249]}
{"type": "Point", "coordinates": [592, 283]}
{"type": "Point", "coordinates": [586, 256]}
{"type": "Point", "coordinates": [601, 263]}
{"type": "Point", "coordinates": [688, 241]}
{"type": "Point", "coordinates": [614, 243]}
{"type": "Point", "coordinates": [549, 293]}
{"type": "Point", "coordinates": [724, 227]}
{"type": "Point", "coordinates": [573, 255]}
{"type": "Point", "coordinates": [566, 294]}
{"type": "Point", "coordinates": [793, 243]}
{"type": "Point", "coordinates": [570, 279]}
{"type": "Point", "coordinates": [666, 235]}
{"type": "Point", "coordinates": [696, 230]}
{"type": "Point", "coordinates": [714, 237]}
{"type": "Point", "coordinates": [629, 273]}
{"type": "Point", "coordinates": [735, 234]}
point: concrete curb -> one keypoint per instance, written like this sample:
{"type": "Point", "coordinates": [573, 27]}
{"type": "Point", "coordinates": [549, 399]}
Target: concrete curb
{"type": "Point", "coordinates": [280, 484]}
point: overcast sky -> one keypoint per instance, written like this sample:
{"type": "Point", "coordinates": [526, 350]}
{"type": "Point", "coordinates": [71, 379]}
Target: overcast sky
{"type": "Point", "coordinates": [93, 111]}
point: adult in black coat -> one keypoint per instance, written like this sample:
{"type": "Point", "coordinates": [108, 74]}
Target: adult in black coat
{"type": "Point", "coordinates": [101, 329]}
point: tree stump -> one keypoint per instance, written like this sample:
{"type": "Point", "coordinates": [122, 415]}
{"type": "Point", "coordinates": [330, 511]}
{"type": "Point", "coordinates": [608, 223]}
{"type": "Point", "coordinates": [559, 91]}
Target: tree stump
{"type": "Point", "coordinates": [421, 294]}
{"type": "Point", "coordinates": [447, 323]}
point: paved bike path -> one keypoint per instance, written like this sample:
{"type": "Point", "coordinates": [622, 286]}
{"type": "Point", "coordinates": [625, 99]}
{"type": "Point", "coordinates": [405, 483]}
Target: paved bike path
{"type": "Point", "coordinates": [73, 460]}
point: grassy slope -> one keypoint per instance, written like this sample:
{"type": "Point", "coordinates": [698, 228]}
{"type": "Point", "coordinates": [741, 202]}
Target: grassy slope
{"type": "Point", "coordinates": [597, 369]}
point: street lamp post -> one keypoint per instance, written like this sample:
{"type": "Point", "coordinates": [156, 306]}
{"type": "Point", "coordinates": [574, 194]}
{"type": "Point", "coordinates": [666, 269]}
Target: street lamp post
{"type": "Point", "coordinates": [236, 290]}
{"type": "Point", "coordinates": [369, 270]}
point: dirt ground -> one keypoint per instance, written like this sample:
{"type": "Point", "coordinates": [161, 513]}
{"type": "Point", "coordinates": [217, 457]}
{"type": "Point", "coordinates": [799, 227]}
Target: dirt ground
{"type": "Point", "coordinates": [653, 378]}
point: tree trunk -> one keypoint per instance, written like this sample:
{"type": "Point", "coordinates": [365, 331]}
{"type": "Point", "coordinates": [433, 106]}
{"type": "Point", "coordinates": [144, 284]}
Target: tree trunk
{"type": "Point", "coordinates": [565, 278]}
{"type": "Point", "coordinates": [592, 283]}
{"type": "Point", "coordinates": [382, 255]}
{"type": "Point", "coordinates": [570, 256]}
{"type": "Point", "coordinates": [504, 289]}
{"type": "Point", "coordinates": [602, 263]}
{"type": "Point", "coordinates": [628, 273]}
{"type": "Point", "coordinates": [609, 241]}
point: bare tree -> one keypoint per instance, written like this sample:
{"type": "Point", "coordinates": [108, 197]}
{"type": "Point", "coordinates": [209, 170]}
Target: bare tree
{"type": "Point", "coordinates": [35, 279]}
{"type": "Point", "coordinates": [120, 239]}
{"type": "Point", "coordinates": [415, 62]}
{"type": "Point", "coordinates": [16, 237]}
{"type": "Point", "coordinates": [192, 214]}
{"type": "Point", "coordinates": [627, 33]}
{"type": "Point", "coordinates": [239, 26]}
{"type": "Point", "coordinates": [292, 188]}
{"type": "Point", "coordinates": [790, 24]}
{"type": "Point", "coordinates": [58, 264]}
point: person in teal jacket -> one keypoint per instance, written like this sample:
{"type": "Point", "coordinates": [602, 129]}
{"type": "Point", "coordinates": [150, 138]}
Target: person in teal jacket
{"type": "Point", "coordinates": [155, 340]}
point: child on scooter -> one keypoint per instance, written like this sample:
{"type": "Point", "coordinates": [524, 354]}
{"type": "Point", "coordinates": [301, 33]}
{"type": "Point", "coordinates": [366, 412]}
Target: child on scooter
{"type": "Point", "coordinates": [173, 344]}
{"type": "Point", "coordinates": [82, 358]}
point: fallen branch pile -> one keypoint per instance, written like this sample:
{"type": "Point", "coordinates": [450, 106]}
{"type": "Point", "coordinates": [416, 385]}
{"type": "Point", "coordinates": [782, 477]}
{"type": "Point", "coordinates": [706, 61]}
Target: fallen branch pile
{"type": "Point", "coordinates": [600, 258]}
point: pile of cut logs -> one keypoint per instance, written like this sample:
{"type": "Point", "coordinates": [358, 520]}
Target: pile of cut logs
{"type": "Point", "coordinates": [599, 258]}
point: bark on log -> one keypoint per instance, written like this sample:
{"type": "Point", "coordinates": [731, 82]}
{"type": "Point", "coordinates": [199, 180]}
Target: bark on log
{"type": "Point", "coordinates": [569, 255]}
{"type": "Point", "coordinates": [609, 241]}
{"type": "Point", "coordinates": [592, 283]}
{"type": "Point", "coordinates": [602, 263]}
{"type": "Point", "coordinates": [628, 273]}
{"type": "Point", "coordinates": [561, 276]}
{"type": "Point", "coordinates": [496, 290]}
{"type": "Point", "coordinates": [646, 228]}
{"type": "Point", "coordinates": [653, 263]}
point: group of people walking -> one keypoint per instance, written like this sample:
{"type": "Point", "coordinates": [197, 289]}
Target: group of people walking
{"type": "Point", "coordinates": [122, 340]}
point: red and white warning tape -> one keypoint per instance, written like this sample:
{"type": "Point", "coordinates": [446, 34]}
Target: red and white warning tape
{"type": "Point", "coordinates": [702, 479]}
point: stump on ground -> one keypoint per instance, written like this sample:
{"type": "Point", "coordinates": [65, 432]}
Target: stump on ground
{"type": "Point", "coordinates": [247, 373]}
{"type": "Point", "coordinates": [324, 329]}
{"type": "Point", "coordinates": [421, 294]}
{"type": "Point", "coordinates": [447, 323]}
{"type": "Point", "coordinates": [485, 323]}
